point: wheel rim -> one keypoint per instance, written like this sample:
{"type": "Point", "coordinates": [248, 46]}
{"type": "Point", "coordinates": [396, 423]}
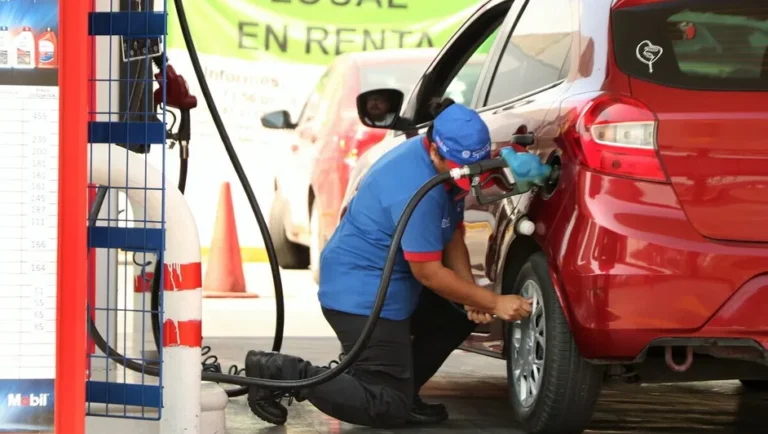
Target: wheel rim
{"type": "Point", "coordinates": [529, 348]}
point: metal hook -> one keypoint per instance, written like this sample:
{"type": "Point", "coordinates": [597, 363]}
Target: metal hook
{"type": "Point", "coordinates": [673, 365]}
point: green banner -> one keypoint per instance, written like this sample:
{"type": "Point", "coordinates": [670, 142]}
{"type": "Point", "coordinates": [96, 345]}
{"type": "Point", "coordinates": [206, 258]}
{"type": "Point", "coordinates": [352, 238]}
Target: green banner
{"type": "Point", "coordinates": [315, 31]}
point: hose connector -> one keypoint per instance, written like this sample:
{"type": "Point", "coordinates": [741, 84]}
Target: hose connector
{"type": "Point", "coordinates": [184, 150]}
{"type": "Point", "coordinates": [459, 172]}
{"type": "Point", "coordinates": [485, 166]}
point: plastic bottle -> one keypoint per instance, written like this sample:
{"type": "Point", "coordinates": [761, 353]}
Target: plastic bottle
{"type": "Point", "coordinates": [25, 48]}
{"type": "Point", "coordinates": [47, 50]}
{"type": "Point", "coordinates": [6, 48]}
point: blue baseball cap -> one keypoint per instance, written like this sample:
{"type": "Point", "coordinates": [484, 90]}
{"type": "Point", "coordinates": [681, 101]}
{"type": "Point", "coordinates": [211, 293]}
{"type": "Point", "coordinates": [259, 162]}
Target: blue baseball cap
{"type": "Point", "coordinates": [462, 138]}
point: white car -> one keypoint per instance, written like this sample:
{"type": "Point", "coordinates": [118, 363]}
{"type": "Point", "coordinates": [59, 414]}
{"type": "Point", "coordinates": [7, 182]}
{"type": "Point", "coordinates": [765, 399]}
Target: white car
{"type": "Point", "coordinates": [324, 144]}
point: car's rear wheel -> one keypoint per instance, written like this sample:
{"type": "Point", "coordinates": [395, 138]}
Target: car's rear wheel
{"type": "Point", "coordinates": [552, 388]}
{"type": "Point", "coordinates": [290, 255]}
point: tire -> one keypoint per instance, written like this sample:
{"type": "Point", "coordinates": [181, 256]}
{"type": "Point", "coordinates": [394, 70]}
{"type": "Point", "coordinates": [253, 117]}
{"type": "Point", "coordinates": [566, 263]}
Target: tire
{"type": "Point", "coordinates": [290, 255]}
{"type": "Point", "coordinates": [568, 386]}
{"type": "Point", "coordinates": [761, 385]}
{"type": "Point", "coordinates": [316, 242]}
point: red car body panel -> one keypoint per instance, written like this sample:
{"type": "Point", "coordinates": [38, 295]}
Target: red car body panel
{"type": "Point", "coordinates": [713, 147]}
{"type": "Point", "coordinates": [632, 268]}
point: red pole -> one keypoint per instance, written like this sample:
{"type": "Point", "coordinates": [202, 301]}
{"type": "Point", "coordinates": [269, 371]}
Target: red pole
{"type": "Point", "coordinates": [69, 392]}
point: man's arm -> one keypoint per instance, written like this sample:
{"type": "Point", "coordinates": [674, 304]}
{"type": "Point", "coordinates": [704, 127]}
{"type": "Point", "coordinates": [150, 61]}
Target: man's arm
{"type": "Point", "coordinates": [424, 250]}
{"type": "Point", "coordinates": [456, 255]}
{"type": "Point", "coordinates": [448, 284]}
{"type": "Point", "coordinates": [423, 247]}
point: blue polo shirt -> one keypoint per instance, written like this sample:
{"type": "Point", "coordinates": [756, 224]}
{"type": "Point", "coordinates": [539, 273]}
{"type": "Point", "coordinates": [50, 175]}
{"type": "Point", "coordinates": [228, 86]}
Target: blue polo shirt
{"type": "Point", "coordinates": [353, 260]}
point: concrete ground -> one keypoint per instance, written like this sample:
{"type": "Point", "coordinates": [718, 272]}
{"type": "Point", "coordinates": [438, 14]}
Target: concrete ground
{"type": "Point", "coordinates": [473, 387]}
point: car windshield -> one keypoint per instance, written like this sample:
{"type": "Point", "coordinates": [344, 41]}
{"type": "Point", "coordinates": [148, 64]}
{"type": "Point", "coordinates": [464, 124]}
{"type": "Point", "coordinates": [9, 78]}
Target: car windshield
{"type": "Point", "coordinates": [401, 76]}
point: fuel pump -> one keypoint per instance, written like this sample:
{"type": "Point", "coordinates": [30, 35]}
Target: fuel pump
{"type": "Point", "coordinates": [177, 96]}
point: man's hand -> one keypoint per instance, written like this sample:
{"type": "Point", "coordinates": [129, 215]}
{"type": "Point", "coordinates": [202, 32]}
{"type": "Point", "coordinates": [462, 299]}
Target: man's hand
{"type": "Point", "coordinates": [478, 316]}
{"type": "Point", "coordinates": [512, 307]}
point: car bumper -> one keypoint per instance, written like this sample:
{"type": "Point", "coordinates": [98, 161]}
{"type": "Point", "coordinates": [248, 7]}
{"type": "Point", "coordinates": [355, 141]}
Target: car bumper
{"type": "Point", "coordinates": [631, 269]}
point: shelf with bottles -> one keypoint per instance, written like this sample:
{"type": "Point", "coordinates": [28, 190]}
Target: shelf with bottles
{"type": "Point", "coordinates": [23, 49]}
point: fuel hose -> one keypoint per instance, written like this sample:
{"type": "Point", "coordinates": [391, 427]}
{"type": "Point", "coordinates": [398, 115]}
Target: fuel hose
{"type": "Point", "coordinates": [292, 385]}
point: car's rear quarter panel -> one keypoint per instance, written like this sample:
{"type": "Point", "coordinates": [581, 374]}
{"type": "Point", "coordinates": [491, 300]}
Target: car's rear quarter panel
{"type": "Point", "coordinates": [633, 268]}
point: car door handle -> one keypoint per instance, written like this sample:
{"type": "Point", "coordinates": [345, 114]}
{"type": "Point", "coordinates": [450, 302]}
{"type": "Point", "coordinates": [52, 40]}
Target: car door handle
{"type": "Point", "coordinates": [514, 105]}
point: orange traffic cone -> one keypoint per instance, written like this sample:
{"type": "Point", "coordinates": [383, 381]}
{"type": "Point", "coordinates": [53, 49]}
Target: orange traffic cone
{"type": "Point", "coordinates": [224, 276]}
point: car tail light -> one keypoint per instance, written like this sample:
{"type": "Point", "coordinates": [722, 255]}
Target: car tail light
{"type": "Point", "coordinates": [616, 135]}
{"type": "Point", "coordinates": [358, 140]}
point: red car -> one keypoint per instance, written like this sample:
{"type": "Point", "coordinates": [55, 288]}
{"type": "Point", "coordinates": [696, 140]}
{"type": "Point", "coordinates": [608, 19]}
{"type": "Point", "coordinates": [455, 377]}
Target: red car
{"type": "Point", "coordinates": [648, 260]}
{"type": "Point", "coordinates": [326, 142]}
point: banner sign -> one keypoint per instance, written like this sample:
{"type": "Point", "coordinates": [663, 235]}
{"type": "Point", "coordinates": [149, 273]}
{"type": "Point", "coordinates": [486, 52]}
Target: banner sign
{"type": "Point", "coordinates": [315, 31]}
{"type": "Point", "coordinates": [265, 55]}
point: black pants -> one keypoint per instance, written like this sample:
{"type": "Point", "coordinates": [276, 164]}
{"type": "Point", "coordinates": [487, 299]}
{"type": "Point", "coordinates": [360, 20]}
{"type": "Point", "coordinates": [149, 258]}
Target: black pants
{"type": "Point", "coordinates": [378, 390]}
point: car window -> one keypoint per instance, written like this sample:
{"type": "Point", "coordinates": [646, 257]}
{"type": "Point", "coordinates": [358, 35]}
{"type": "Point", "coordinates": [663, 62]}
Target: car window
{"type": "Point", "coordinates": [462, 87]}
{"type": "Point", "coordinates": [401, 75]}
{"type": "Point", "coordinates": [312, 105]}
{"type": "Point", "coordinates": [536, 54]}
{"type": "Point", "coordinates": [456, 71]}
{"type": "Point", "coordinates": [708, 46]}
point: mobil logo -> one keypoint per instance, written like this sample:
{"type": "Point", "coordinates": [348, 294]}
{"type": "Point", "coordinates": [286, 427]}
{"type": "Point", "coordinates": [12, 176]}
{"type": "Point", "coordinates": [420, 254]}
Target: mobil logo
{"type": "Point", "coordinates": [31, 400]}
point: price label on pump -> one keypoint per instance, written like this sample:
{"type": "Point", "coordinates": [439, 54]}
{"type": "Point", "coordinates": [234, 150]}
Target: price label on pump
{"type": "Point", "coordinates": [28, 213]}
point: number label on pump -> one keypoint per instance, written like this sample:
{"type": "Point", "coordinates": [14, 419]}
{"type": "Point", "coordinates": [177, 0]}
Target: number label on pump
{"type": "Point", "coordinates": [144, 48]}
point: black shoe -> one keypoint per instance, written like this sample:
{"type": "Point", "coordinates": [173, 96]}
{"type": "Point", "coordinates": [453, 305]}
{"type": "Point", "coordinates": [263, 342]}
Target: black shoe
{"type": "Point", "coordinates": [263, 403]}
{"type": "Point", "coordinates": [423, 413]}
{"type": "Point", "coordinates": [269, 411]}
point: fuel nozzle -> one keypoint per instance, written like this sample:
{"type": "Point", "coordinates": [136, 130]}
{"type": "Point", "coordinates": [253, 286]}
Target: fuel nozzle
{"type": "Point", "coordinates": [521, 172]}
{"type": "Point", "coordinates": [177, 96]}
{"type": "Point", "coordinates": [526, 169]}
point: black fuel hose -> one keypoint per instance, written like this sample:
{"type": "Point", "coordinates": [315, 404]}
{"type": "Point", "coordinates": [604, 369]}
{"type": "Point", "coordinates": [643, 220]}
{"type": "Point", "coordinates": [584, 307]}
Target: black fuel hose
{"type": "Point", "coordinates": [268, 244]}
{"type": "Point", "coordinates": [263, 228]}
{"type": "Point", "coordinates": [183, 167]}
{"type": "Point", "coordinates": [292, 385]}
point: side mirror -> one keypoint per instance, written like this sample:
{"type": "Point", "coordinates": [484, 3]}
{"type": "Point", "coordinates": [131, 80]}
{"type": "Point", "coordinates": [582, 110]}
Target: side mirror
{"type": "Point", "coordinates": [380, 108]}
{"type": "Point", "coordinates": [277, 120]}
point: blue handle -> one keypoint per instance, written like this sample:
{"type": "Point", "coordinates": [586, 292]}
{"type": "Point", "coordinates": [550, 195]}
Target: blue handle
{"type": "Point", "coordinates": [526, 168]}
